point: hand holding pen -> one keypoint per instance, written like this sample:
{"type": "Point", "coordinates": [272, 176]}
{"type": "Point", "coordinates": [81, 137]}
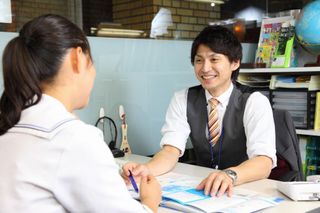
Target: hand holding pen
{"type": "Point", "coordinates": [150, 189]}
{"type": "Point", "coordinates": [133, 182]}
{"type": "Point", "coordinates": [135, 169]}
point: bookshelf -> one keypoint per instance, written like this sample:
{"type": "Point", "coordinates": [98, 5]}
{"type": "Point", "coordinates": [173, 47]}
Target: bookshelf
{"type": "Point", "coordinates": [291, 70]}
{"type": "Point", "coordinates": [308, 132]}
{"type": "Point", "coordinates": [286, 71]}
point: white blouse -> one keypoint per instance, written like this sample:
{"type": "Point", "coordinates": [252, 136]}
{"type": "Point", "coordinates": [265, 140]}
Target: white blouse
{"type": "Point", "coordinates": [52, 162]}
{"type": "Point", "coordinates": [257, 120]}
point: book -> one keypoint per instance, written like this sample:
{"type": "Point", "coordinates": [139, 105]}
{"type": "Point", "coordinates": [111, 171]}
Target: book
{"type": "Point", "coordinates": [285, 53]}
{"type": "Point", "coordinates": [179, 193]}
{"type": "Point", "coordinates": [317, 112]}
{"type": "Point", "coordinates": [276, 42]}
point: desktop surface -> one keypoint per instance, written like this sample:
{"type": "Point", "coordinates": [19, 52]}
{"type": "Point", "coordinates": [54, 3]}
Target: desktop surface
{"type": "Point", "coordinates": [265, 187]}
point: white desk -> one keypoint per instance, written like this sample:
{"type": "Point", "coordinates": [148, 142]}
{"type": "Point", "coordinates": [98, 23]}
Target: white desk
{"type": "Point", "coordinates": [265, 186]}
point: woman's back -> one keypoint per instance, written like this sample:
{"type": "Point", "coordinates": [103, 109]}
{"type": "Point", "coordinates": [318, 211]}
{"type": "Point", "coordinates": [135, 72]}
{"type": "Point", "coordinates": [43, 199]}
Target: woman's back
{"type": "Point", "coordinates": [52, 162]}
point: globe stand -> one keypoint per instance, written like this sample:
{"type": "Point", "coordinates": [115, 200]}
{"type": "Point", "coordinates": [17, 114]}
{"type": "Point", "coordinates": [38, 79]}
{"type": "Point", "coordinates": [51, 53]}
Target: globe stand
{"type": "Point", "coordinates": [316, 64]}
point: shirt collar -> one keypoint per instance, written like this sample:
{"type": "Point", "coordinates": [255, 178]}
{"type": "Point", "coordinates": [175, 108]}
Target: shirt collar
{"type": "Point", "coordinates": [45, 119]}
{"type": "Point", "coordinates": [223, 98]}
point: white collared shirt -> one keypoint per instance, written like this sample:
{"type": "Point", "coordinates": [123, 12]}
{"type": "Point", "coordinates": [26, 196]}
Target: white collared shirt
{"type": "Point", "coordinates": [52, 162]}
{"type": "Point", "coordinates": [257, 120]}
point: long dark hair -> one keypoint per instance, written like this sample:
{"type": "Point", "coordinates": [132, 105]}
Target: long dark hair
{"type": "Point", "coordinates": [220, 40]}
{"type": "Point", "coordinates": [32, 58]}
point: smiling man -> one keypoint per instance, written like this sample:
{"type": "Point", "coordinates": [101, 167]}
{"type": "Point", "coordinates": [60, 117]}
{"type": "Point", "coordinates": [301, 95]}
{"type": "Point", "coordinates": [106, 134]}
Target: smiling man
{"type": "Point", "coordinates": [231, 128]}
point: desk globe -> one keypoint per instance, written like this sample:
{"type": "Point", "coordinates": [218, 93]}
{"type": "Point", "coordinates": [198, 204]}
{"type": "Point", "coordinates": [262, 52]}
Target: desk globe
{"type": "Point", "coordinates": [308, 28]}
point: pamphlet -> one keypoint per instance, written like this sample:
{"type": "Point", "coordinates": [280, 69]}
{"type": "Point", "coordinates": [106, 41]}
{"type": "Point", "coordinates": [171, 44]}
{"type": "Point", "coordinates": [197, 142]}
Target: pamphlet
{"type": "Point", "coordinates": [178, 192]}
{"type": "Point", "coordinates": [276, 42]}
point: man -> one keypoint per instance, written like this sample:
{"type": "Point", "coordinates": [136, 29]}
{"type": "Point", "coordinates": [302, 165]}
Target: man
{"type": "Point", "coordinates": [231, 129]}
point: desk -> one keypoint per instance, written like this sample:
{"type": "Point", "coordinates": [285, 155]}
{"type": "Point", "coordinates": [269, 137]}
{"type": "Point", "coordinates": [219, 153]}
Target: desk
{"type": "Point", "coordinates": [265, 186]}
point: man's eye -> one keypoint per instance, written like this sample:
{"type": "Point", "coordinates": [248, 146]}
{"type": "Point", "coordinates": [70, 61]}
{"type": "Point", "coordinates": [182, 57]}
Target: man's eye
{"type": "Point", "coordinates": [198, 60]}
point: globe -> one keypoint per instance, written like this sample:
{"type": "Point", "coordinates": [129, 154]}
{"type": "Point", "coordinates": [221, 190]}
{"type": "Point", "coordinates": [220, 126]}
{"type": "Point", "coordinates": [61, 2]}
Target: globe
{"type": "Point", "coordinates": [308, 27]}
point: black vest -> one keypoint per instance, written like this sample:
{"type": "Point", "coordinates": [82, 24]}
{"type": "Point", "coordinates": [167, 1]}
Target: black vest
{"type": "Point", "coordinates": [233, 148]}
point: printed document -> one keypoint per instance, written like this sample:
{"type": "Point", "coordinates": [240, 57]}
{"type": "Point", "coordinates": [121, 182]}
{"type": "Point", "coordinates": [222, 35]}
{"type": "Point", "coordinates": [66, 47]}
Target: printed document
{"type": "Point", "coordinates": [178, 192]}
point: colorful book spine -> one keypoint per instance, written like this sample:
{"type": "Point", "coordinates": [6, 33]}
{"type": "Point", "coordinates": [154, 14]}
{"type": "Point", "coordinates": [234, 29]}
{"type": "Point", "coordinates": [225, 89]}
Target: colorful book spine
{"type": "Point", "coordinates": [312, 156]}
{"type": "Point", "coordinates": [317, 113]}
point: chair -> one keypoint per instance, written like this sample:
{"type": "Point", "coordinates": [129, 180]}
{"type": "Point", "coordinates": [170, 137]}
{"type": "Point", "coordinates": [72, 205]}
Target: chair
{"type": "Point", "coordinates": [289, 166]}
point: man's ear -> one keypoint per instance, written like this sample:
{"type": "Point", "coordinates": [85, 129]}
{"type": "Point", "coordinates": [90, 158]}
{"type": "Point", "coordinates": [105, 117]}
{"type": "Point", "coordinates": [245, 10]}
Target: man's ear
{"type": "Point", "coordinates": [76, 59]}
{"type": "Point", "coordinates": [235, 65]}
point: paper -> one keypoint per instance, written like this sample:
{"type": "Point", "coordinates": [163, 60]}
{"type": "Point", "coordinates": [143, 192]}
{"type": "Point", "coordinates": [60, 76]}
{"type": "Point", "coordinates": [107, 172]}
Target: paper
{"type": "Point", "coordinates": [5, 11]}
{"type": "Point", "coordinates": [179, 193]}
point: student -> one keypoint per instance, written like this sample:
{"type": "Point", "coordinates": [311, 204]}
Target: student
{"type": "Point", "coordinates": [243, 145]}
{"type": "Point", "coordinates": [50, 161]}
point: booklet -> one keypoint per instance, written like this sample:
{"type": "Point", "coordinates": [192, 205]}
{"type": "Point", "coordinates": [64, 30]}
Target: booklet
{"type": "Point", "coordinates": [178, 192]}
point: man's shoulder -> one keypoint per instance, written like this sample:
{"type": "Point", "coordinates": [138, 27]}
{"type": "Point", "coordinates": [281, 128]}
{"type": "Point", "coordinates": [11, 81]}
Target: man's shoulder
{"type": "Point", "coordinates": [195, 90]}
{"type": "Point", "coordinates": [197, 87]}
{"type": "Point", "coordinates": [257, 96]}
{"type": "Point", "coordinates": [243, 88]}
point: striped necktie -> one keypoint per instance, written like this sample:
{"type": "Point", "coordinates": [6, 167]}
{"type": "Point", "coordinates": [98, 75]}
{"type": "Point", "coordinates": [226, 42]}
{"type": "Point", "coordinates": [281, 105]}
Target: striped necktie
{"type": "Point", "coordinates": [213, 123]}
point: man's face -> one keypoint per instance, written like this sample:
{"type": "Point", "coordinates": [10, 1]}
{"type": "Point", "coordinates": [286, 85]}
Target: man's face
{"type": "Point", "coordinates": [213, 70]}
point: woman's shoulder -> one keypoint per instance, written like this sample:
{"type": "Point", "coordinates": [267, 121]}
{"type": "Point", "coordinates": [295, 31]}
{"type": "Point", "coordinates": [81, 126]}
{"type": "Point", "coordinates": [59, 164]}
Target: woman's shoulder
{"type": "Point", "coordinates": [81, 129]}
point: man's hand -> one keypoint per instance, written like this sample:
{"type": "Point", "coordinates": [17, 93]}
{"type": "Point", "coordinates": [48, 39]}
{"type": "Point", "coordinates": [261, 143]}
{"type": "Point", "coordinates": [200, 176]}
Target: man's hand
{"type": "Point", "coordinates": [216, 184]}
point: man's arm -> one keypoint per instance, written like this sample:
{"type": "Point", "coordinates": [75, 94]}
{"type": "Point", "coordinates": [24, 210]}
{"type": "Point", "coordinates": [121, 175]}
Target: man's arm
{"type": "Point", "coordinates": [175, 132]}
{"type": "Point", "coordinates": [253, 169]}
{"type": "Point", "coordinates": [164, 160]}
{"type": "Point", "coordinates": [217, 183]}
{"type": "Point", "coordinates": [161, 163]}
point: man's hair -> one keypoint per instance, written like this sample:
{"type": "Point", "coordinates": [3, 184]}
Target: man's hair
{"type": "Point", "coordinates": [220, 40]}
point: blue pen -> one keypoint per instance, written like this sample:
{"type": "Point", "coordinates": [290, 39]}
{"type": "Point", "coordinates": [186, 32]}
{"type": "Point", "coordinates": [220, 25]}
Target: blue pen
{"type": "Point", "coordinates": [133, 182]}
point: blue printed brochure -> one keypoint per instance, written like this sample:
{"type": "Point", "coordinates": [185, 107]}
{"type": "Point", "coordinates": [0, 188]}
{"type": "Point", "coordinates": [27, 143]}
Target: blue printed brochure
{"type": "Point", "coordinates": [178, 192]}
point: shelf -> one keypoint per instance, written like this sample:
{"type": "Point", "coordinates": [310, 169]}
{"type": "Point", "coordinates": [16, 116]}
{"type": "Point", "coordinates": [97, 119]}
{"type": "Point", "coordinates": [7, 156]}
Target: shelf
{"type": "Point", "coordinates": [309, 132]}
{"type": "Point", "coordinates": [282, 70]}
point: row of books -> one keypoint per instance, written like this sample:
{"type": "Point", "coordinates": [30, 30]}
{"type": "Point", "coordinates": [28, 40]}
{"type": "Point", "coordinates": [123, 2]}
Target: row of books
{"type": "Point", "coordinates": [311, 159]}
{"type": "Point", "coordinates": [309, 82]}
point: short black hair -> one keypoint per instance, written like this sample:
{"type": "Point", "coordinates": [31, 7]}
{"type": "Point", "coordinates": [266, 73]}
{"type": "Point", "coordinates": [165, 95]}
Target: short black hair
{"type": "Point", "coordinates": [220, 40]}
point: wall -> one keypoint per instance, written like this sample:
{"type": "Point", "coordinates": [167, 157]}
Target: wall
{"type": "Point", "coordinates": [188, 18]}
{"type": "Point", "coordinates": [141, 75]}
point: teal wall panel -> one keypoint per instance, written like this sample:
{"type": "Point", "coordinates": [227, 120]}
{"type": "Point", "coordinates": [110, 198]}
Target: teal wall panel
{"type": "Point", "coordinates": [141, 75]}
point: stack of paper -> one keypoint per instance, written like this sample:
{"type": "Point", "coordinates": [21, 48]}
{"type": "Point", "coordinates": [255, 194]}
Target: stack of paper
{"type": "Point", "coordinates": [178, 192]}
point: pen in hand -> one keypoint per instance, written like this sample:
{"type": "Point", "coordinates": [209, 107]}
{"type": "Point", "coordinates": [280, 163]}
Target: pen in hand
{"type": "Point", "coordinates": [133, 182]}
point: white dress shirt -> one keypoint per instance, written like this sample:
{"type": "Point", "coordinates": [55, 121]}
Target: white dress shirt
{"type": "Point", "coordinates": [257, 120]}
{"type": "Point", "coordinates": [52, 162]}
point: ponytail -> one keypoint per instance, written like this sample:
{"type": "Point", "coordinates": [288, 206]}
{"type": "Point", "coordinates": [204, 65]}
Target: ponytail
{"type": "Point", "coordinates": [21, 87]}
{"type": "Point", "coordinates": [33, 59]}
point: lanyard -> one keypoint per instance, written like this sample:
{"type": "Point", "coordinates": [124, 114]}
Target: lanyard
{"type": "Point", "coordinates": [219, 151]}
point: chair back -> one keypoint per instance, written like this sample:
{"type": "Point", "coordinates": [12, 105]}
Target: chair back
{"type": "Point", "coordinates": [289, 166]}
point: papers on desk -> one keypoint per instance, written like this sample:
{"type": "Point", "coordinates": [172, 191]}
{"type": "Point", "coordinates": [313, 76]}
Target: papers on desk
{"type": "Point", "coordinates": [179, 193]}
